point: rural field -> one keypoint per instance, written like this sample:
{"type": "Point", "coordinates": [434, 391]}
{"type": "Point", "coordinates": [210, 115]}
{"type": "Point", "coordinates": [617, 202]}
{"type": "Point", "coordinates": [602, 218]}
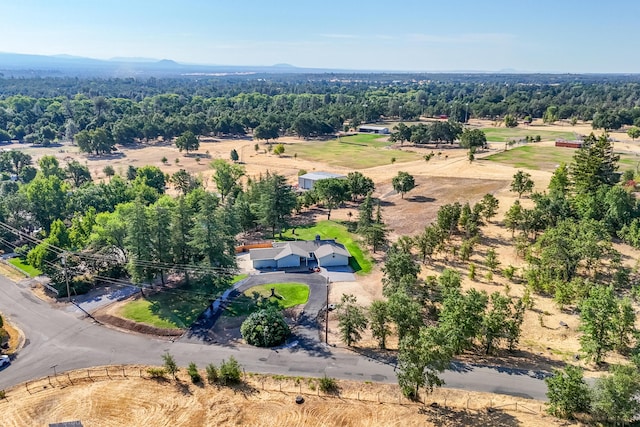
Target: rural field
{"type": "Point", "coordinates": [446, 178]}
{"type": "Point", "coordinates": [259, 401]}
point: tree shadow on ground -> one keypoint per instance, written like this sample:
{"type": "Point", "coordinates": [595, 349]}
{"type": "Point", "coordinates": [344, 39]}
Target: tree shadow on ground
{"type": "Point", "coordinates": [244, 389]}
{"type": "Point", "coordinates": [443, 416]}
{"type": "Point", "coordinates": [420, 199]}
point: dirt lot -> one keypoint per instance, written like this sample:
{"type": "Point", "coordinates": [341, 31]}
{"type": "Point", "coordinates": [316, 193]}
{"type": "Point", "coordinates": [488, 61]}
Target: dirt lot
{"type": "Point", "coordinates": [262, 401]}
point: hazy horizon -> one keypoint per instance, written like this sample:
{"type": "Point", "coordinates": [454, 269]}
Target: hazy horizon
{"type": "Point", "coordinates": [556, 37]}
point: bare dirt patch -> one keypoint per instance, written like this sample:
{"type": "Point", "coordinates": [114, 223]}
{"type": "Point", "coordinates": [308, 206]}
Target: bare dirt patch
{"type": "Point", "coordinates": [262, 401]}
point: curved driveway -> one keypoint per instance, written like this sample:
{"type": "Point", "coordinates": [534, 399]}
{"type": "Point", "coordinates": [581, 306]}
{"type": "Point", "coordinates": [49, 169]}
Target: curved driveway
{"type": "Point", "coordinates": [56, 337]}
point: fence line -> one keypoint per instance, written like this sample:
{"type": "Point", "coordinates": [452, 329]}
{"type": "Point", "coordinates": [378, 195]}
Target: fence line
{"type": "Point", "coordinates": [302, 386]}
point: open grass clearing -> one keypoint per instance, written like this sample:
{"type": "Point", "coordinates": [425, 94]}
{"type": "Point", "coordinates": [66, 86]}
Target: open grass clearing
{"type": "Point", "coordinates": [21, 263]}
{"type": "Point", "coordinates": [507, 134]}
{"type": "Point", "coordinates": [173, 308]}
{"type": "Point", "coordinates": [287, 295]}
{"type": "Point", "coordinates": [360, 260]}
{"type": "Point", "coordinates": [539, 157]}
{"type": "Point", "coordinates": [355, 152]}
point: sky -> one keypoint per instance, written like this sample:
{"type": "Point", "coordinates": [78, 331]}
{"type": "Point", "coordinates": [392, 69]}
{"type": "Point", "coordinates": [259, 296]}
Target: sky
{"type": "Point", "coordinates": [564, 36]}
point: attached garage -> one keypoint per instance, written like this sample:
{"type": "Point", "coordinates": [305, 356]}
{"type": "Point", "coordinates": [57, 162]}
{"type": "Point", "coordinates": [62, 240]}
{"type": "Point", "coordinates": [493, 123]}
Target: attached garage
{"type": "Point", "coordinates": [332, 256]}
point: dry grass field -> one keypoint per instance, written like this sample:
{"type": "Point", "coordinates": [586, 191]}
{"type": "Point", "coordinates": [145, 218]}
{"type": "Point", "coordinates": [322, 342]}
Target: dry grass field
{"type": "Point", "coordinates": [261, 401]}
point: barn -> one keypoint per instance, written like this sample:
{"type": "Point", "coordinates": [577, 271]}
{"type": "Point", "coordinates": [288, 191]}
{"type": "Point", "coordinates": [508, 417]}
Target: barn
{"type": "Point", "coordinates": [306, 181]}
{"type": "Point", "coordinates": [373, 129]}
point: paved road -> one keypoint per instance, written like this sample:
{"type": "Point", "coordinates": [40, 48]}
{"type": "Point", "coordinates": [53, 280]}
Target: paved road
{"type": "Point", "coordinates": [60, 338]}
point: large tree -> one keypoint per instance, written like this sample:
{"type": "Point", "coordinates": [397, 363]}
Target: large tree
{"type": "Point", "coordinates": [522, 183]}
{"type": "Point", "coordinates": [597, 316]}
{"type": "Point", "coordinates": [594, 165]}
{"type": "Point", "coordinates": [187, 142]}
{"type": "Point", "coordinates": [332, 192]}
{"type": "Point", "coordinates": [568, 393]}
{"type": "Point", "coordinates": [275, 202]}
{"type": "Point", "coordinates": [226, 177]}
{"type": "Point", "coordinates": [352, 320]}
{"type": "Point", "coordinates": [359, 185]}
{"type": "Point", "coordinates": [403, 182]}
{"type": "Point", "coordinates": [380, 321]}
{"type": "Point", "coordinates": [615, 396]}
{"type": "Point", "coordinates": [421, 359]}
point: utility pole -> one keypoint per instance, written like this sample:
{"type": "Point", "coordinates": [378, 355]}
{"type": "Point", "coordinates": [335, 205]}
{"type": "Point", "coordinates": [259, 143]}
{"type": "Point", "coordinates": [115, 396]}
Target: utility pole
{"type": "Point", "coordinates": [326, 320]}
{"type": "Point", "coordinates": [66, 276]}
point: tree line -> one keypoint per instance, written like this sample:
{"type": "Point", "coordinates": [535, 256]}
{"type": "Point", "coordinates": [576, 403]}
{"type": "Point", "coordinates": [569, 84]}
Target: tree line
{"type": "Point", "coordinates": [129, 110]}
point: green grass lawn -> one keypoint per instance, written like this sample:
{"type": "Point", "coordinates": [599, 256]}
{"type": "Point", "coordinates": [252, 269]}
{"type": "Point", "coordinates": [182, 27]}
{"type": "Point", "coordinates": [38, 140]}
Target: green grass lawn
{"type": "Point", "coordinates": [360, 260]}
{"type": "Point", "coordinates": [507, 134]}
{"type": "Point", "coordinates": [21, 263]}
{"type": "Point", "coordinates": [538, 157]}
{"type": "Point", "coordinates": [357, 151]}
{"type": "Point", "coordinates": [289, 295]}
{"type": "Point", "coordinates": [174, 308]}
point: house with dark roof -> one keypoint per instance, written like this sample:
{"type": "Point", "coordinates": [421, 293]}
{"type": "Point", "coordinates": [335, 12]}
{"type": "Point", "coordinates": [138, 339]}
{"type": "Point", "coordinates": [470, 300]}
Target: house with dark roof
{"type": "Point", "coordinates": [300, 253]}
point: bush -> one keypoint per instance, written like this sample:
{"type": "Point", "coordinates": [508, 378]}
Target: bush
{"type": "Point", "coordinates": [230, 371]}
{"type": "Point", "coordinates": [4, 337]}
{"type": "Point", "coordinates": [192, 370]}
{"type": "Point", "coordinates": [212, 373]}
{"type": "Point", "coordinates": [509, 272]}
{"type": "Point", "coordinates": [328, 385]}
{"type": "Point", "coordinates": [265, 328]}
{"type": "Point", "coordinates": [157, 372]}
{"type": "Point", "coordinates": [1, 321]}
{"type": "Point", "coordinates": [3, 394]}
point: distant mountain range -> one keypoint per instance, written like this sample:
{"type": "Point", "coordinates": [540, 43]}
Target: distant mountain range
{"type": "Point", "coordinates": [22, 65]}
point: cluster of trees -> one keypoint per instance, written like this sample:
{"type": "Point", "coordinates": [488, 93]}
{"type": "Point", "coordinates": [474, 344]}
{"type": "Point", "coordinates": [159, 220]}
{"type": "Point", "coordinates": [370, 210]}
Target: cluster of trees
{"type": "Point", "coordinates": [438, 132]}
{"type": "Point", "coordinates": [127, 227]}
{"type": "Point", "coordinates": [567, 240]}
{"type": "Point", "coordinates": [433, 318]}
{"type": "Point", "coordinates": [612, 399]}
{"type": "Point", "coordinates": [128, 110]}
{"type": "Point", "coordinates": [333, 192]}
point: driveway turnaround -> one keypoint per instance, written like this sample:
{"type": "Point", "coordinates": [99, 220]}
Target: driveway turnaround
{"type": "Point", "coordinates": [57, 339]}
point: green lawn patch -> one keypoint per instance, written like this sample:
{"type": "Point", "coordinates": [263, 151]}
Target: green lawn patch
{"type": "Point", "coordinates": [238, 278]}
{"type": "Point", "coordinates": [357, 151]}
{"type": "Point", "coordinates": [518, 133]}
{"type": "Point", "coordinates": [360, 260]}
{"type": "Point", "coordinates": [21, 263]}
{"type": "Point", "coordinates": [174, 307]}
{"type": "Point", "coordinates": [146, 311]}
{"type": "Point", "coordinates": [537, 157]}
{"type": "Point", "coordinates": [288, 295]}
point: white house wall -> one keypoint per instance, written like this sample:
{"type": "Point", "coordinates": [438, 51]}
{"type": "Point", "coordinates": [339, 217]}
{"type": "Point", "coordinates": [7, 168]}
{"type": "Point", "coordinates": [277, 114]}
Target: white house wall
{"type": "Point", "coordinates": [333, 261]}
{"type": "Point", "coordinates": [264, 263]}
{"type": "Point", "coordinates": [292, 260]}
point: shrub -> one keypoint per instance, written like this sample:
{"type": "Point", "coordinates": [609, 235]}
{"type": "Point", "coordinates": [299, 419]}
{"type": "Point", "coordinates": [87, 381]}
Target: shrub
{"type": "Point", "coordinates": [164, 160]}
{"type": "Point", "coordinates": [509, 272]}
{"type": "Point", "coordinates": [328, 385]}
{"type": "Point", "coordinates": [192, 370]}
{"type": "Point", "coordinates": [1, 321]}
{"type": "Point", "coordinates": [3, 394]}
{"type": "Point", "coordinates": [230, 371]}
{"type": "Point", "coordinates": [157, 372]}
{"type": "Point", "coordinates": [170, 364]}
{"type": "Point", "coordinates": [265, 328]}
{"type": "Point", "coordinates": [212, 373]}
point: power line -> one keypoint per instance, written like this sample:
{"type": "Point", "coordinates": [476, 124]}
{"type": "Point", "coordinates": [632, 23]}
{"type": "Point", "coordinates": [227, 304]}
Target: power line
{"type": "Point", "coordinates": [140, 263]}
